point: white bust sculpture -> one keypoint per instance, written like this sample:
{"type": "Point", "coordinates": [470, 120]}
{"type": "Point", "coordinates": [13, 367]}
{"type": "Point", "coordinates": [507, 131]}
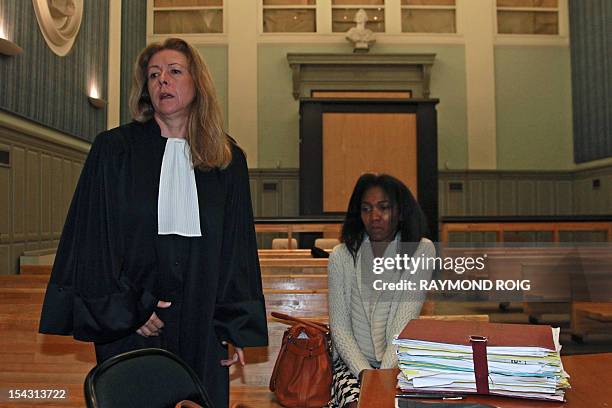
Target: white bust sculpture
{"type": "Point", "coordinates": [360, 36]}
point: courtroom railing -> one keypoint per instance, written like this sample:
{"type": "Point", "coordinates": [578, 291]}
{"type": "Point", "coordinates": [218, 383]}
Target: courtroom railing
{"type": "Point", "coordinates": [541, 228]}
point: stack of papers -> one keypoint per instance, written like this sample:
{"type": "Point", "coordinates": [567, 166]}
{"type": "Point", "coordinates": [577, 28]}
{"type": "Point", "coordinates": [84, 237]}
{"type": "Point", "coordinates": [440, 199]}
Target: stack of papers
{"type": "Point", "coordinates": [515, 371]}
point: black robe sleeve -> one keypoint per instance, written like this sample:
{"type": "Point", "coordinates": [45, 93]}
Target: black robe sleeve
{"type": "Point", "coordinates": [240, 312]}
{"type": "Point", "coordinates": [86, 296]}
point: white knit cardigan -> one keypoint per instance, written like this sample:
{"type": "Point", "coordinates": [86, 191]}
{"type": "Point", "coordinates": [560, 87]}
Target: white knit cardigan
{"type": "Point", "coordinates": [406, 305]}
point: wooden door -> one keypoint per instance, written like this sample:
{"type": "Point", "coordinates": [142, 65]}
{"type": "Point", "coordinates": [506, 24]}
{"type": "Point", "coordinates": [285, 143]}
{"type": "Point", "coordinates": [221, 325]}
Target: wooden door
{"type": "Point", "coordinates": [358, 143]}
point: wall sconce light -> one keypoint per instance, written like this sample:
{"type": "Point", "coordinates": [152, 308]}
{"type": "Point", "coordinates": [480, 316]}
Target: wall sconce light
{"type": "Point", "coordinates": [94, 98]}
{"type": "Point", "coordinates": [8, 47]}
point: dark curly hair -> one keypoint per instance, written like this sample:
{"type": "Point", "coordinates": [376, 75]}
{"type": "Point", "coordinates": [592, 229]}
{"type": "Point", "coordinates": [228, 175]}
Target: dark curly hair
{"type": "Point", "coordinates": [412, 222]}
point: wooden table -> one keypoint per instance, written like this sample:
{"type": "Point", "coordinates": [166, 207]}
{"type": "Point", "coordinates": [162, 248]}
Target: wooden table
{"type": "Point", "coordinates": [590, 377]}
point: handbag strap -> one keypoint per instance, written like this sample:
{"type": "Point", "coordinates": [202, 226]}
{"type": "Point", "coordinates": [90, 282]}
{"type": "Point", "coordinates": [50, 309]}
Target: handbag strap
{"type": "Point", "coordinates": [316, 325]}
{"type": "Point", "coordinates": [187, 404]}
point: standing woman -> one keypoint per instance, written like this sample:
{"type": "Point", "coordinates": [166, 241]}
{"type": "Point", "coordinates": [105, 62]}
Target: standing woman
{"type": "Point", "coordinates": [159, 249]}
{"type": "Point", "coordinates": [383, 220]}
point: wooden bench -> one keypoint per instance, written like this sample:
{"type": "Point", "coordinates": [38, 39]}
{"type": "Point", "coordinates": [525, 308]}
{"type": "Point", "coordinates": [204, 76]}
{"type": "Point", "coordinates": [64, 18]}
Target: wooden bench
{"type": "Point", "coordinates": [293, 266]}
{"type": "Point", "coordinates": [591, 318]}
{"type": "Point", "coordinates": [283, 253]}
{"type": "Point", "coordinates": [557, 274]}
{"type": "Point", "coordinates": [296, 283]}
{"type": "Point", "coordinates": [269, 265]}
{"type": "Point", "coordinates": [35, 269]}
{"type": "Point", "coordinates": [329, 229]}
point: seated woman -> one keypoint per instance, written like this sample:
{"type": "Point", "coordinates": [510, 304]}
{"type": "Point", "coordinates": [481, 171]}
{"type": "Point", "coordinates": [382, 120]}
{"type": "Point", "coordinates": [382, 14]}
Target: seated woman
{"type": "Point", "coordinates": [383, 220]}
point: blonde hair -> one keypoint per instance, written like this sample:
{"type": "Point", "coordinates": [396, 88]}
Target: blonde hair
{"type": "Point", "coordinates": [210, 146]}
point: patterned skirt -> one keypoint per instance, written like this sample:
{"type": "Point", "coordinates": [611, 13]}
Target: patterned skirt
{"type": "Point", "coordinates": [345, 387]}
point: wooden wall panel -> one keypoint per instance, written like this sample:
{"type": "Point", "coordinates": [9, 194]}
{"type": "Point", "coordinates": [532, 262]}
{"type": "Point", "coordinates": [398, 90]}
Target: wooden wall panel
{"type": "Point", "coordinates": [526, 197]}
{"type": "Point", "coordinates": [32, 193]}
{"type": "Point", "coordinates": [488, 193]}
{"type": "Point", "coordinates": [16, 249]}
{"type": "Point", "coordinates": [284, 201]}
{"type": "Point", "coordinates": [5, 259]}
{"type": "Point", "coordinates": [289, 203]}
{"type": "Point", "coordinates": [564, 197]}
{"type": "Point", "coordinates": [581, 195]}
{"type": "Point", "coordinates": [599, 198]}
{"type": "Point", "coordinates": [5, 202]}
{"type": "Point", "coordinates": [19, 192]}
{"type": "Point", "coordinates": [48, 245]}
{"type": "Point", "coordinates": [456, 201]}
{"type": "Point", "coordinates": [507, 198]}
{"type": "Point", "coordinates": [67, 189]}
{"type": "Point", "coordinates": [77, 167]}
{"type": "Point", "coordinates": [606, 182]}
{"type": "Point", "coordinates": [32, 246]}
{"type": "Point", "coordinates": [254, 188]}
{"type": "Point", "coordinates": [57, 201]}
{"type": "Point", "coordinates": [33, 196]}
{"type": "Point", "coordinates": [490, 197]}
{"type": "Point", "coordinates": [475, 191]}
{"type": "Point", "coordinates": [46, 183]}
{"type": "Point", "coordinates": [442, 204]}
{"type": "Point", "coordinates": [545, 197]}
{"type": "Point", "coordinates": [357, 143]}
{"type": "Point", "coordinates": [270, 199]}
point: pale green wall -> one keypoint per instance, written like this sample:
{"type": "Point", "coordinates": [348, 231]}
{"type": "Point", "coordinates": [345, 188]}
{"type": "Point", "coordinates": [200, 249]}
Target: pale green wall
{"type": "Point", "coordinates": [534, 108]}
{"type": "Point", "coordinates": [215, 56]}
{"type": "Point", "coordinates": [278, 112]}
{"type": "Point", "coordinates": [448, 85]}
{"type": "Point", "coordinates": [533, 103]}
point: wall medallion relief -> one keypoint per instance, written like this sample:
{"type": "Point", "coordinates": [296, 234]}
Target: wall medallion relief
{"type": "Point", "coordinates": [59, 22]}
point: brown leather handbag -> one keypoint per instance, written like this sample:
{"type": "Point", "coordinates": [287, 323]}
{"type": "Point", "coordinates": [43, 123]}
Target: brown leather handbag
{"type": "Point", "coordinates": [187, 404]}
{"type": "Point", "coordinates": [302, 375]}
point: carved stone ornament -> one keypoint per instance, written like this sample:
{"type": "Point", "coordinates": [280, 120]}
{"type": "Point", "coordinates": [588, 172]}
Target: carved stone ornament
{"type": "Point", "coordinates": [360, 36]}
{"type": "Point", "coordinates": [59, 22]}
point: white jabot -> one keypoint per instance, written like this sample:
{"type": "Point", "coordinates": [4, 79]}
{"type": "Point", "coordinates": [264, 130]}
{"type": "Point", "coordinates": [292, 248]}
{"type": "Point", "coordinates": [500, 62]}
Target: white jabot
{"type": "Point", "coordinates": [177, 210]}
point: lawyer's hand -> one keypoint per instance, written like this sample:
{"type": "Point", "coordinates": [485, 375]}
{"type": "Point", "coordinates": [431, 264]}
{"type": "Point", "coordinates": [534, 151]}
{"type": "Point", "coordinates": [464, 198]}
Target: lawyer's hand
{"type": "Point", "coordinates": [238, 357]}
{"type": "Point", "coordinates": [154, 325]}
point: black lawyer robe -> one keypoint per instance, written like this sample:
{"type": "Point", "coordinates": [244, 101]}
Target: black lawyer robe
{"type": "Point", "coordinates": [105, 281]}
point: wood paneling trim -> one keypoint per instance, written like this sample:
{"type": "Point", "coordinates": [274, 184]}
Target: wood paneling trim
{"type": "Point", "coordinates": [492, 192]}
{"type": "Point", "coordinates": [19, 187]}
{"type": "Point", "coordinates": [46, 183]}
{"type": "Point", "coordinates": [33, 195]}
{"type": "Point", "coordinates": [362, 94]}
{"type": "Point", "coordinates": [36, 190]}
{"type": "Point", "coordinates": [284, 199]}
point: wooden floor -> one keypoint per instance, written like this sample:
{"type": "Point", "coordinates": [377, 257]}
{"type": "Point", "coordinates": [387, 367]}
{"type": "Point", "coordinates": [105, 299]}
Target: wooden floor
{"type": "Point", "coordinates": [28, 360]}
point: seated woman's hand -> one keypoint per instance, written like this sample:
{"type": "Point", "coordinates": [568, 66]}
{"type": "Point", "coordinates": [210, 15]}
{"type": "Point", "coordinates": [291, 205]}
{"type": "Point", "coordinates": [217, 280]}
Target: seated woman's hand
{"type": "Point", "coordinates": [154, 325]}
{"type": "Point", "coordinates": [238, 357]}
